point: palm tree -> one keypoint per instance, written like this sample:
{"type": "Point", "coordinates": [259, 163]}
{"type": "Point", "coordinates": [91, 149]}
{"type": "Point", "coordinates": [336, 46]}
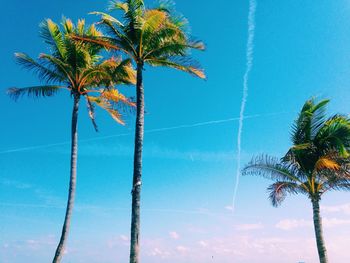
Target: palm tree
{"type": "Point", "coordinates": [148, 36]}
{"type": "Point", "coordinates": [78, 68]}
{"type": "Point", "coordinates": [317, 162]}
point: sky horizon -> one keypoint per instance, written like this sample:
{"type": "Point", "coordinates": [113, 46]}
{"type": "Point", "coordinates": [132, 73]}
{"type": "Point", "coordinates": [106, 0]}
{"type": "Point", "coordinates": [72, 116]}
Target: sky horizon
{"type": "Point", "coordinates": [190, 149]}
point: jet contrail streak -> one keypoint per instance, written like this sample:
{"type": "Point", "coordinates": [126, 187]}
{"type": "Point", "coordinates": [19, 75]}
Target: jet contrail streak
{"type": "Point", "coordinates": [147, 131]}
{"type": "Point", "coordinates": [89, 208]}
{"type": "Point", "coordinates": [249, 66]}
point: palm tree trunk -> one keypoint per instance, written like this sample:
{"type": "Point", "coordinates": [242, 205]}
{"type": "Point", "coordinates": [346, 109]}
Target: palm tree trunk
{"type": "Point", "coordinates": [322, 253]}
{"type": "Point", "coordinates": [136, 185]}
{"type": "Point", "coordinates": [72, 183]}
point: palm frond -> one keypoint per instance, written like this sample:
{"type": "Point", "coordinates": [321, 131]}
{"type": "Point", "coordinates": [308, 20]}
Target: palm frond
{"type": "Point", "coordinates": [310, 120]}
{"type": "Point", "coordinates": [35, 91]}
{"type": "Point", "coordinates": [113, 95]}
{"type": "Point", "coordinates": [279, 190]}
{"type": "Point", "coordinates": [103, 42]}
{"type": "Point", "coordinates": [326, 163]}
{"type": "Point", "coordinates": [117, 5]}
{"type": "Point", "coordinates": [337, 183]}
{"type": "Point", "coordinates": [132, 12]}
{"type": "Point", "coordinates": [273, 169]}
{"type": "Point", "coordinates": [68, 25]}
{"type": "Point", "coordinates": [179, 63]}
{"type": "Point", "coordinates": [52, 35]}
{"type": "Point", "coordinates": [107, 17]}
{"type": "Point", "coordinates": [107, 106]}
{"type": "Point", "coordinates": [120, 71]}
{"type": "Point", "coordinates": [60, 66]}
{"type": "Point", "coordinates": [335, 134]}
{"type": "Point", "coordinates": [153, 19]}
{"type": "Point", "coordinates": [44, 73]}
{"type": "Point", "coordinates": [116, 116]}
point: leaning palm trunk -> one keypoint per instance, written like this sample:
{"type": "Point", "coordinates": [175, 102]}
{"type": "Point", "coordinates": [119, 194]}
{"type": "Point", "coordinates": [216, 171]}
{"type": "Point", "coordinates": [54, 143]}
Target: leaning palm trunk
{"type": "Point", "coordinates": [322, 253]}
{"type": "Point", "coordinates": [72, 183]}
{"type": "Point", "coordinates": [136, 187]}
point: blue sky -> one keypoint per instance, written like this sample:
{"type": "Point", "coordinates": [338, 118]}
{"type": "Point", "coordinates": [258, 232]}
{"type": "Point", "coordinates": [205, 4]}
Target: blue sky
{"type": "Point", "coordinates": [301, 50]}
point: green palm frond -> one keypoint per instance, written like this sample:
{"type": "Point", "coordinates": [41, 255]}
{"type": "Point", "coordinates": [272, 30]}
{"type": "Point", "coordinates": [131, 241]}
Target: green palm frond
{"type": "Point", "coordinates": [273, 169]}
{"type": "Point", "coordinates": [116, 38]}
{"type": "Point", "coordinates": [34, 92]}
{"type": "Point", "coordinates": [118, 5]}
{"type": "Point", "coordinates": [60, 66]}
{"type": "Point", "coordinates": [341, 186]}
{"type": "Point", "coordinates": [279, 190]}
{"type": "Point", "coordinates": [337, 183]}
{"type": "Point", "coordinates": [39, 68]}
{"type": "Point", "coordinates": [107, 17]}
{"type": "Point", "coordinates": [179, 63]}
{"type": "Point", "coordinates": [310, 120]}
{"type": "Point", "coordinates": [80, 28]}
{"type": "Point", "coordinates": [153, 20]}
{"type": "Point", "coordinates": [68, 26]}
{"type": "Point", "coordinates": [110, 72]}
{"type": "Point", "coordinates": [172, 49]}
{"type": "Point", "coordinates": [105, 42]}
{"type": "Point", "coordinates": [335, 135]}
{"type": "Point", "coordinates": [132, 14]}
{"type": "Point", "coordinates": [53, 36]}
{"type": "Point", "coordinates": [121, 71]}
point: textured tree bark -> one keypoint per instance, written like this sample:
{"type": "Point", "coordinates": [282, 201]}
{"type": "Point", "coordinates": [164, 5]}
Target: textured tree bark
{"type": "Point", "coordinates": [322, 252]}
{"type": "Point", "coordinates": [72, 183]}
{"type": "Point", "coordinates": [136, 185]}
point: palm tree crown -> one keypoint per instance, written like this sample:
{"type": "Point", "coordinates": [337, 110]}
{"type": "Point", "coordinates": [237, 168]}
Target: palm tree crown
{"type": "Point", "coordinates": [76, 67]}
{"type": "Point", "coordinates": [316, 163]}
{"type": "Point", "coordinates": [153, 36]}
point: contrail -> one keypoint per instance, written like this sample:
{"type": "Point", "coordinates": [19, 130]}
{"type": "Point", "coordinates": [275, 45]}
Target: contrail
{"type": "Point", "coordinates": [147, 131]}
{"type": "Point", "coordinates": [89, 208]}
{"type": "Point", "coordinates": [249, 66]}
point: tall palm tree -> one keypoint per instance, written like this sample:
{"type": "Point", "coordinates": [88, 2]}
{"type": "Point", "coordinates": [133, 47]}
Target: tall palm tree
{"type": "Point", "coordinates": [148, 36]}
{"type": "Point", "coordinates": [78, 68]}
{"type": "Point", "coordinates": [317, 162]}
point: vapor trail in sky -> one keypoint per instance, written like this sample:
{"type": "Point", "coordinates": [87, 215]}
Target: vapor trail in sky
{"type": "Point", "coordinates": [198, 124]}
{"type": "Point", "coordinates": [249, 66]}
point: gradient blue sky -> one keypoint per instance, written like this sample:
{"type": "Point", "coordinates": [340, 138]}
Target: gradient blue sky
{"type": "Point", "coordinates": [301, 50]}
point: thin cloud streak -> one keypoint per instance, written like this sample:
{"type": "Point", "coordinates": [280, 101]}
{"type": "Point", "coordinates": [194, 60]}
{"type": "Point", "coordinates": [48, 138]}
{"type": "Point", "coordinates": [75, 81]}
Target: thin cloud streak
{"type": "Point", "coordinates": [91, 208]}
{"type": "Point", "coordinates": [30, 148]}
{"type": "Point", "coordinates": [249, 66]}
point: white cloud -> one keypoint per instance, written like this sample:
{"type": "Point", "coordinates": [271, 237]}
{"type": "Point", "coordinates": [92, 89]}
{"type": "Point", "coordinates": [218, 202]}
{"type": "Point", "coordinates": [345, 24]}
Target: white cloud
{"type": "Point", "coordinates": [334, 222]}
{"type": "Point", "coordinates": [157, 252]}
{"type": "Point", "coordinates": [182, 249]}
{"type": "Point", "coordinates": [15, 184]}
{"type": "Point", "coordinates": [124, 238]}
{"type": "Point", "coordinates": [121, 240]}
{"type": "Point", "coordinates": [174, 235]}
{"type": "Point", "coordinates": [288, 224]}
{"type": "Point", "coordinates": [48, 197]}
{"type": "Point", "coordinates": [203, 243]}
{"type": "Point", "coordinates": [344, 208]}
